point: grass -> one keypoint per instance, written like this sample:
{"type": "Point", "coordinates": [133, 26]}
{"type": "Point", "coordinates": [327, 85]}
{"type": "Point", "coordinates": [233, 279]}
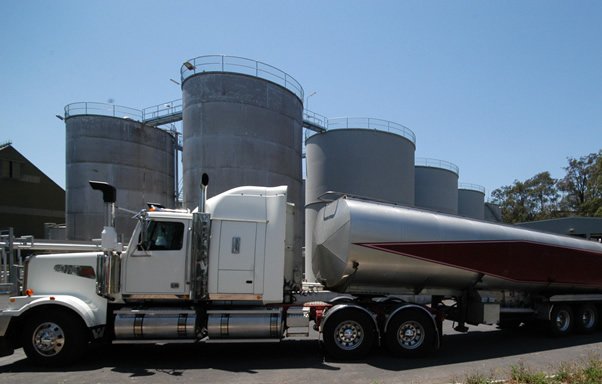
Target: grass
{"type": "Point", "coordinates": [588, 372]}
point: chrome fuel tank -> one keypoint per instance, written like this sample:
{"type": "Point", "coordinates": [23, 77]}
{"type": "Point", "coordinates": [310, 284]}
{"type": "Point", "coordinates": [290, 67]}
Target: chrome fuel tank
{"type": "Point", "coordinates": [367, 247]}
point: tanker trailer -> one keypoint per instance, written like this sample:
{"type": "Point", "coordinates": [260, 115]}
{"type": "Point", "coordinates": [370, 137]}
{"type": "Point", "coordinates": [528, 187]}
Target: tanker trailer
{"type": "Point", "coordinates": [491, 273]}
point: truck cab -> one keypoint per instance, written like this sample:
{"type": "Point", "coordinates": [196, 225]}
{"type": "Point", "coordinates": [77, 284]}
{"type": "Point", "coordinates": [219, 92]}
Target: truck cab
{"type": "Point", "coordinates": [249, 256]}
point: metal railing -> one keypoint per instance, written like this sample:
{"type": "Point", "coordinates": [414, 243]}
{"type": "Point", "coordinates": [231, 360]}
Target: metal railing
{"type": "Point", "coordinates": [102, 109]}
{"type": "Point", "coordinates": [10, 263]}
{"type": "Point", "coordinates": [156, 112]}
{"type": "Point", "coordinates": [235, 64]}
{"type": "Point", "coordinates": [472, 187]}
{"type": "Point", "coordinates": [315, 119]}
{"type": "Point", "coordinates": [169, 108]}
{"type": "Point", "coordinates": [436, 163]}
{"type": "Point", "coordinates": [367, 123]}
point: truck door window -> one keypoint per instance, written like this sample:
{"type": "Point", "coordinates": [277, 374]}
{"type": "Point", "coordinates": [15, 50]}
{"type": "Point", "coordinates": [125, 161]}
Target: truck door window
{"type": "Point", "coordinates": [164, 236]}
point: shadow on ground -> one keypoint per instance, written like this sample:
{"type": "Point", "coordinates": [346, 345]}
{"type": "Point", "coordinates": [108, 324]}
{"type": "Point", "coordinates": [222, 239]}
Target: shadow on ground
{"type": "Point", "coordinates": [174, 359]}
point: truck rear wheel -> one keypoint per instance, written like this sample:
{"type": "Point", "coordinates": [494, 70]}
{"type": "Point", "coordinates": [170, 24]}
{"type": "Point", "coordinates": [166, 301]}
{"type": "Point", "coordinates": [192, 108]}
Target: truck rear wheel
{"type": "Point", "coordinates": [53, 338]}
{"type": "Point", "coordinates": [586, 318]}
{"type": "Point", "coordinates": [561, 320]}
{"type": "Point", "coordinates": [349, 334]}
{"type": "Point", "coordinates": [411, 333]}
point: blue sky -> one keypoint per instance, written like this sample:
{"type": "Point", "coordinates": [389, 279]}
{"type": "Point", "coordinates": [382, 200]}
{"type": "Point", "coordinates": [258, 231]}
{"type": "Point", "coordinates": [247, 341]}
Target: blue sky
{"type": "Point", "coordinates": [503, 89]}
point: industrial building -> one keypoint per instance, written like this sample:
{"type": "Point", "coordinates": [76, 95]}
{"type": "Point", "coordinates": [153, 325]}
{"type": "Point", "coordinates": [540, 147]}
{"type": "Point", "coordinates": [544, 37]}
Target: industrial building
{"type": "Point", "coordinates": [29, 200]}
{"type": "Point", "coordinates": [585, 227]}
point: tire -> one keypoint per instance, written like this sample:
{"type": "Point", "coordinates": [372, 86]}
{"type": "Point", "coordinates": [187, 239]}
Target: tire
{"type": "Point", "coordinates": [561, 320]}
{"type": "Point", "coordinates": [54, 337]}
{"type": "Point", "coordinates": [586, 318]}
{"type": "Point", "coordinates": [349, 334]}
{"type": "Point", "coordinates": [411, 333]}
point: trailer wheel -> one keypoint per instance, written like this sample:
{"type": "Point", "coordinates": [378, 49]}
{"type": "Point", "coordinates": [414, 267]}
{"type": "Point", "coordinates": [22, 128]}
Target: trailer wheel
{"type": "Point", "coordinates": [411, 333]}
{"type": "Point", "coordinates": [561, 320]}
{"type": "Point", "coordinates": [54, 338]}
{"type": "Point", "coordinates": [348, 334]}
{"type": "Point", "coordinates": [586, 318]}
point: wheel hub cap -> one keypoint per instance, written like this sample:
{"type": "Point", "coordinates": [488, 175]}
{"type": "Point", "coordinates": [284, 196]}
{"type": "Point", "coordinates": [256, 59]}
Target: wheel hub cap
{"type": "Point", "coordinates": [48, 339]}
{"type": "Point", "coordinates": [349, 335]}
{"type": "Point", "coordinates": [411, 335]}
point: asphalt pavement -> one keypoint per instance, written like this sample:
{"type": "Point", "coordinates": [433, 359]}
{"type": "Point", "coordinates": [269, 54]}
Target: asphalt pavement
{"type": "Point", "coordinates": [485, 350]}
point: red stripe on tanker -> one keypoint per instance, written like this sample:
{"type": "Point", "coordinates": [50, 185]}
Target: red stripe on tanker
{"type": "Point", "coordinates": [519, 261]}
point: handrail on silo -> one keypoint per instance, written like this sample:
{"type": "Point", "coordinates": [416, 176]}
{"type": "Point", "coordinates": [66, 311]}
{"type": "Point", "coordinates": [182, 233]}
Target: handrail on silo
{"type": "Point", "coordinates": [371, 123]}
{"type": "Point", "coordinates": [236, 64]}
{"type": "Point", "coordinates": [472, 187]}
{"type": "Point", "coordinates": [436, 163]}
{"type": "Point", "coordinates": [102, 109]}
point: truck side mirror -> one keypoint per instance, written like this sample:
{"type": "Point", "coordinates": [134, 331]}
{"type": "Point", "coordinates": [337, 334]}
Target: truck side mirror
{"type": "Point", "coordinates": [143, 244]}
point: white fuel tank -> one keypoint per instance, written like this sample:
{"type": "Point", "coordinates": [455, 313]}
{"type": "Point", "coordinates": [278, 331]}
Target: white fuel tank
{"type": "Point", "coordinates": [367, 247]}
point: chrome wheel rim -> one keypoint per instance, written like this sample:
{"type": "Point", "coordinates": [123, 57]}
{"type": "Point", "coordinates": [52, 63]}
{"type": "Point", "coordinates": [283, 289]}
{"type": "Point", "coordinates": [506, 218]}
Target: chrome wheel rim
{"type": "Point", "coordinates": [48, 339]}
{"type": "Point", "coordinates": [563, 321]}
{"type": "Point", "coordinates": [588, 319]}
{"type": "Point", "coordinates": [410, 335]}
{"type": "Point", "coordinates": [349, 335]}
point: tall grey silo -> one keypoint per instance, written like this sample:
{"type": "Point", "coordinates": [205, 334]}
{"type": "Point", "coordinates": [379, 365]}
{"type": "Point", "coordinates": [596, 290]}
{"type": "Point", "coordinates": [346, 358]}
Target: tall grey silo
{"type": "Point", "coordinates": [107, 143]}
{"type": "Point", "coordinates": [372, 158]}
{"type": "Point", "coordinates": [242, 125]}
{"type": "Point", "coordinates": [471, 201]}
{"type": "Point", "coordinates": [436, 185]}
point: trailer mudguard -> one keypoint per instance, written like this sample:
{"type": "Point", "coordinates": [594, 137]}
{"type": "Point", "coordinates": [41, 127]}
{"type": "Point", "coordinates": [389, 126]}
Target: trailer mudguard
{"type": "Point", "coordinates": [339, 307]}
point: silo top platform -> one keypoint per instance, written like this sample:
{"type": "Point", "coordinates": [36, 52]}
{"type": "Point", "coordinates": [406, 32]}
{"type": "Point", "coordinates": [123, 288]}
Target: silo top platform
{"type": "Point", "coordinates": [368, 123]}
{"type": "Point", "coordinates": [241, 65]}
{"type": "Point", "coordinates": [436, 163]}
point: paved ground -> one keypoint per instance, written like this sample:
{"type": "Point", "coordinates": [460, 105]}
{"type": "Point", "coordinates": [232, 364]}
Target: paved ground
{"type": "Point", "coordinates": [485, 350]}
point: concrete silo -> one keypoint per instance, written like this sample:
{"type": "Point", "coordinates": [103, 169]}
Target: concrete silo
{"type": "Point", "coordinates": [105, 142]}
{"type": "Point", "coordinates": [436, 185]}
{"type": "Point", "coordinates": [471, 201]}
{"type": "Point", "coordinates": [242, 125]}
{"type": "Point", "coordinates": [372, 158]}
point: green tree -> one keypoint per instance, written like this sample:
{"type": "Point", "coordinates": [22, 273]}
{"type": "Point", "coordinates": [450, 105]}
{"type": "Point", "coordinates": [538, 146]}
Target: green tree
{"type": "Point", "coordinates": [582, 185]}
{"type": "Point", "coordinates": [534, 199]}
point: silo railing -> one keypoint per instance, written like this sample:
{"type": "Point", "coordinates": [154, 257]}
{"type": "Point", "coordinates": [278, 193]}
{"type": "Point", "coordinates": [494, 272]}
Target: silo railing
{"type": "Point", "coordinates": [102, 109]}
{"type": "Point", "coordinates": [235, 64]}
{"type": "Point", "coordinates": [436, 163]}
{"type": "Point", "coordinates": [472, 187]}
{"type": "Point", "coordinates": [365, 123]}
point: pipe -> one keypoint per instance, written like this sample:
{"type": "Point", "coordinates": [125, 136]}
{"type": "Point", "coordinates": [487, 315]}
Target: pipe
{"type": "Point", "coordinates": [203, 195]}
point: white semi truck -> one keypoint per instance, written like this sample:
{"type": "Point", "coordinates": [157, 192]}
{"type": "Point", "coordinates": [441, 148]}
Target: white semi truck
{"type": "Point", "coordinates": [391, 275]}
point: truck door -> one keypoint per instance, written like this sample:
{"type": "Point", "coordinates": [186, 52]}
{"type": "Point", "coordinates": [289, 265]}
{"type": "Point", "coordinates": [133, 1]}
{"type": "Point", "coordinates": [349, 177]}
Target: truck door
{"type": "Point", "coordinates": [237, 257]}
{"type": "Point", "coordinates": [158, 264]}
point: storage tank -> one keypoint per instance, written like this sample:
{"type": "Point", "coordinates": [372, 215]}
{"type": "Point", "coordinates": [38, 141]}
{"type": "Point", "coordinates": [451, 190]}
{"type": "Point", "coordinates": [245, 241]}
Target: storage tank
{"type": "Point", "coordinates": [242, 125]}
{"type": "Point", "coordinates": [362, 246]}
{"type": "Point", "coordinates": [105, 142]}
{"type": "Point", "coordinates": [471, 201]}
{"type": "Point", "coordinates": [436, 187]}
{"type": "Point", "coordinates": [366, 157]}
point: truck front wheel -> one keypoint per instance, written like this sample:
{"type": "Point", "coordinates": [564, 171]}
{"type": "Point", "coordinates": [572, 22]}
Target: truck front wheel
{"type": "Point", "coordinates": [348, 334]}
{"type": "Point", "coordinates": [411, 334]}
{"type": "Point", "coordinates": [53, 338]}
